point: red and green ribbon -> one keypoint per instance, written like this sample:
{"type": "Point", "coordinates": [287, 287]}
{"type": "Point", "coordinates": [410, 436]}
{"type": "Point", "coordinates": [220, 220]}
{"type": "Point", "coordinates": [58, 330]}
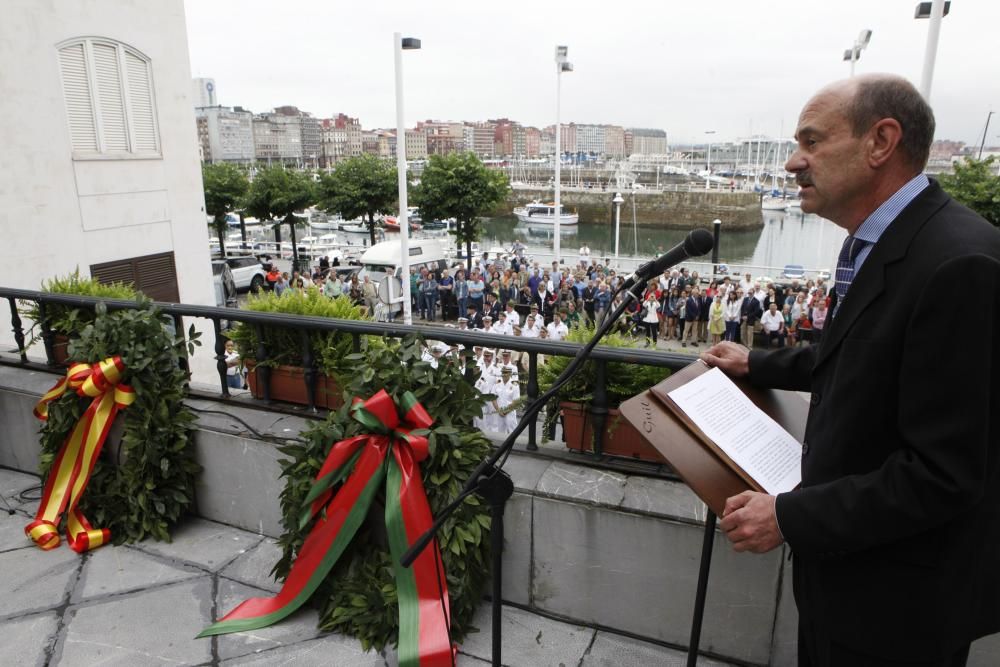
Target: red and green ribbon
{"type": "Point", "coordinates": [390, 453]}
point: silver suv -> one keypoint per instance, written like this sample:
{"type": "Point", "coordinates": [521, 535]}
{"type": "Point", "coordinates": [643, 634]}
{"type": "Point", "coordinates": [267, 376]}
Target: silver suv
{"type": "Point", "coordinates": [248, 272]}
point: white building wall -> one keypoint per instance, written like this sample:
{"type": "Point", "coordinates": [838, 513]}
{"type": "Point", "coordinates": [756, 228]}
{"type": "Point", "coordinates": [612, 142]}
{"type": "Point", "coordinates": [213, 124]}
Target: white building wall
{"type": "Point", "coordinates": [58, 213]}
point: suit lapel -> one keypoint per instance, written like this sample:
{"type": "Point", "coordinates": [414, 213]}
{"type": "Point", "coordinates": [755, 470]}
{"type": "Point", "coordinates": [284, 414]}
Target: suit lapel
{"type": "Point", "coordinates": [869, 283]}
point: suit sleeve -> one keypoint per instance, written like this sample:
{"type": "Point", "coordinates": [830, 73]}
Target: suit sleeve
{"type": "Point", "coordinates": [939, 466]}
{"type": "Point", "coordinates": [787, 368]}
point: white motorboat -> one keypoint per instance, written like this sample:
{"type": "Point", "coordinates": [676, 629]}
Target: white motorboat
{"type": "Point", "coordinates": [769, 203]}
{"type": "Point", "coordinates": [354, 228]}
{"type": "Point", "coordinates": [537, 213]}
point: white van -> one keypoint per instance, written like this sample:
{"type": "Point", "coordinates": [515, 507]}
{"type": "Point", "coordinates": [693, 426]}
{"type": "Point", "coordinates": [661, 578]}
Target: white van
{"type": "Point", "coordinates": [384, 259]}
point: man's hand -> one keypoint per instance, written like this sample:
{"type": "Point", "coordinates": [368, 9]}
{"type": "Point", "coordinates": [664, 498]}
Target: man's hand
{"type": "Point", "coordinates": [750, 523]}
{"type": "Point", "coordinates": [732, 359]}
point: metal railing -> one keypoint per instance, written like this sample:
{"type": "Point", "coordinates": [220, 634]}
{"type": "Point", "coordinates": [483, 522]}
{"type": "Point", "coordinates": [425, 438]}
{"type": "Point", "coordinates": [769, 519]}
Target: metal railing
{"type": "Point", "coordinates": [598, 407]}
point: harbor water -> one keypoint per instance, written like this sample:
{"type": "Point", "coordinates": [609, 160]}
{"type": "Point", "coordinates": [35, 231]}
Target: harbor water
{"type": "Point", "coordinates": [784, 238]}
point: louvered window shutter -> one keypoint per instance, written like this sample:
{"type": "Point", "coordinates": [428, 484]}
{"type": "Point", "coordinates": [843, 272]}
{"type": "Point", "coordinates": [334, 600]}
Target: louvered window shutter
{"type": "Point", "coordinates": [114, 132]}
{"type": "Point", "coordinates": [79, 103]}
{"type": "Point", "coordinates": [108, 89]}
{"type": "Point", "coordinates": [140, 96]}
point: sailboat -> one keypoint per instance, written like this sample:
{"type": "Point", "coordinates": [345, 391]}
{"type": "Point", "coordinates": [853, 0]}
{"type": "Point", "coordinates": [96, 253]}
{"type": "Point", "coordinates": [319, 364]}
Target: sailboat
{"type": "Point", "coordinates": [772, 202]}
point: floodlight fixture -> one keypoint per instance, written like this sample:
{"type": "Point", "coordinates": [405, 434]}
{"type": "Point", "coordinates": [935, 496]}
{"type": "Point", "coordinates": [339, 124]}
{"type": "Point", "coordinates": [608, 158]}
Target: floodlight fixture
{"type": "Point", "coordinates": [923, 10]}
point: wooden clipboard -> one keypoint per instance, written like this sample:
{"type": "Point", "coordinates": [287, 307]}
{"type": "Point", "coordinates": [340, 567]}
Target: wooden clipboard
{"type": "Point", "coordinates": [702, 465]}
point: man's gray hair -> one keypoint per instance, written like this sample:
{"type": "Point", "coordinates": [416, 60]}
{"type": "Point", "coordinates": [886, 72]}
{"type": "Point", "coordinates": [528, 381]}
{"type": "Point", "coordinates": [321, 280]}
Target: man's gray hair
{"type": "Point", "coordinates": [894, 97]}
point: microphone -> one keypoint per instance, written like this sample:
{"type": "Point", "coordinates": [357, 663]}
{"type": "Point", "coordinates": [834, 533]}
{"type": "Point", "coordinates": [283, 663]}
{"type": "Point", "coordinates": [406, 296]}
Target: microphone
{"type": "Point", "coordinates": [697, 243]}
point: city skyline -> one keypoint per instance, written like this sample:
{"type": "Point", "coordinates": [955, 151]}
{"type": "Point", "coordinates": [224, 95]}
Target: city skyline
{"type": "Point", "coordinates": [685, 69]}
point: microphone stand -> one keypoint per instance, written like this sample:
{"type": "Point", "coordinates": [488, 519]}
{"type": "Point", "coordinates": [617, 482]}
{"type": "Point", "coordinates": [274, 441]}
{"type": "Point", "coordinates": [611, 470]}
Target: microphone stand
{"type": "Point", "coordinates": [492, 484]}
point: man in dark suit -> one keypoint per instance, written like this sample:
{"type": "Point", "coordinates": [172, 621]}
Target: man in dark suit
{"type": "Point", "coordinates": [895, 529]}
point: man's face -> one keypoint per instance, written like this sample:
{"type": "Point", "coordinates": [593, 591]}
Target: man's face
{"type": "Point", "coordinates": [773, 308]}
{"type": "Point", "coordinates": [830, 163]}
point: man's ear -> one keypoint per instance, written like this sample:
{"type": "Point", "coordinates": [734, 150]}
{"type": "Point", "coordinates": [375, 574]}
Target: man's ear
{"type": "Point", "coordinates": [883, 141]}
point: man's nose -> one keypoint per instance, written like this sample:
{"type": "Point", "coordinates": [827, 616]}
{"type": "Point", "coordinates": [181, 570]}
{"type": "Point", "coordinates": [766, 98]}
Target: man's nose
{"type": "Point", "coordinates": [796, 162]}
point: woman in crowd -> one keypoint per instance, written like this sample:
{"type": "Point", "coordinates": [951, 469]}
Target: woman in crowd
{"type": "Point", "coordinates": [355, 293]}
{"type": "Point", "coordinates": [790, 325]}
{"type": "Point", "coordinates": [716, 319]}
{"type": "Point", "coordinates": [818, 316]}
{"type": "Point", "coordinates": [650, 317]}
{"type": "Point", "coordinates": [461, 292]}
{"type": "Point", "coordinates": [733, 315]}
{"type": "Point", "coordinates": [671, 312]}
{"type": "Point", "coordinates": [234, 375]}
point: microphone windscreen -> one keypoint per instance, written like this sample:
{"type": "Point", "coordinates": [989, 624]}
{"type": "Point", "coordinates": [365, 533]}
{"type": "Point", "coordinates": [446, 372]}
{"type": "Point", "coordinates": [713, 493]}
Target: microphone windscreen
{"type": "Point", "coordinates": [699, 242]}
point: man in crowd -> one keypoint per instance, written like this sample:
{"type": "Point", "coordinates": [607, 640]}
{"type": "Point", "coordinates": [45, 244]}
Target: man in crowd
{"type": "Point", "coordinates": [557, 330]}
{"type": "Point", "coordinates": [774, 325]}
{"type": "Point", "coordinates": [750, 312]}
{"type": "Point", "coordinates": [446, 287]}
{"type": "Point", "coordinates": [895, 528]}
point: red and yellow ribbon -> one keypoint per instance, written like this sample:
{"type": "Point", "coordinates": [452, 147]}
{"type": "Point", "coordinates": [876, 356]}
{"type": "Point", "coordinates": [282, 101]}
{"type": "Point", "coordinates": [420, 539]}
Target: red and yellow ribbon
{"type": "Point", "coordinates": [391, 454]}
{"type": "Point", "coordinates": [73, 465]}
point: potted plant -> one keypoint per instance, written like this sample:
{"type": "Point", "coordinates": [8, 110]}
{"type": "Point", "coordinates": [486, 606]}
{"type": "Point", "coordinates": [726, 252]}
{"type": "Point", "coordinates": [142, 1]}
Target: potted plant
{"type": "Point", "coordinates": [573, 401]}
{"type": "Point", "coordinates": [66, 322]}
{"type": "Point", "coordinates": [284, 347]}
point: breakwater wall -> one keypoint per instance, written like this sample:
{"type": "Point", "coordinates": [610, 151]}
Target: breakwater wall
{"type": "Point", "coordinates": [667, 209]}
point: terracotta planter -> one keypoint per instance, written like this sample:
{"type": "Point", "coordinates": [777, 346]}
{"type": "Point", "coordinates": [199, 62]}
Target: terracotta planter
{"type": "Point", "coordinates": [620, 437]}
{"type": "Point", "coordinates": [288, 384]}
{"type": "Point", "coordinates": [60, 349]}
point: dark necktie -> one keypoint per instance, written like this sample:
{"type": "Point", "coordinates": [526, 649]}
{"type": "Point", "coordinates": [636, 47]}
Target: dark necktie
{"type": "Point", "coordinates": [845, 265]}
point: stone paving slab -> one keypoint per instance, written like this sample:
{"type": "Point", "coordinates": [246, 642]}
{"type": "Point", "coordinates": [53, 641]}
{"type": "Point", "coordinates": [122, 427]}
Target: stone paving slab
{"type": "Point", "coordinates": [206, 544]}
{"type": "Point", "coordinates": [610, 650]}
{"type": "Point", "coordinates": [528, 640]}
{"type": "Point", "coordinates": [12, 483]}
{"type": "Point", "coordinates": [26, 639]}
{"type": "Point", "coordinates": [254, 567]}
{"type": "Point", "coordinates": [297, 628]}
{"type": "Point", "coordinates": [579, 483]}
{"type": "Point", "coordinates": [323, 652]}
{"type": "Point", "coordinates": [12, 531]}
{"type": "Point", "coordinates": [154, 627]}
{"type": "Point", "coordinates": [36, 580]}
{"type": "Point", "coordinates": [110, 570]}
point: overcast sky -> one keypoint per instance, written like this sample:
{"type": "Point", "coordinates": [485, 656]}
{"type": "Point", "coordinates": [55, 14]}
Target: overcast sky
{"type": "Point", "coordinates": [685, 67]}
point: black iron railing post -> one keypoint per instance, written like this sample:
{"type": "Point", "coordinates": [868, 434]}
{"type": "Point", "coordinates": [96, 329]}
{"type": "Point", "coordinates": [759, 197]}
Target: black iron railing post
{"type": "Point", "coordinates": [18, 329]}
{"type": "Point", "coordinates": [532, 395]}
{"type": "Point", "coordinates": [179, 332]}
{"type": "Point", "coordinates": [220, 356]}
{"type": "Point", "coordinates": [48, 338]}
{"type": "Point", "coordinates": [309, 369]}
{"type": "Point", "coordinates": [262, 370]}
{"type": "Point", "coordinates": [599, 405]}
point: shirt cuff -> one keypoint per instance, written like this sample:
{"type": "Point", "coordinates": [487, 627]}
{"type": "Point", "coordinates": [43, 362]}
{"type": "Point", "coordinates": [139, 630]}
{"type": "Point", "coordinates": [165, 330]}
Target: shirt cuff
{"type": "Point", "coordinates": [777, 523]}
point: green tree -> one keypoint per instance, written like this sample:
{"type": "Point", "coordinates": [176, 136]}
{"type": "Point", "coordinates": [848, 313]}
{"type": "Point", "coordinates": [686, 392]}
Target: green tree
{"type": "Point", "coordinates": [976, 184]}
{"type": "Point", "coordinates": [460, 186]}
{"type": "Point", "coordinates": [360, 186]}
{"type": "Point", "coordinates": [275, 194]}
{"type": "Point", "coordinates": [224, 185]}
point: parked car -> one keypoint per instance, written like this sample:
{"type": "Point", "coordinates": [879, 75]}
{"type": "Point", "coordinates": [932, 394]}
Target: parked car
{"type": "Point", "coordinates": [793, 271]}
{"type": "Point", "coordinates": [225, 286]}
{"type": "Point", "coordinates": [248, 272]}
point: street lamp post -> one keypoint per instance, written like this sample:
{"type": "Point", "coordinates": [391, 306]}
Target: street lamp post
{"type": "Point", "coordinates": [561, 66]}
{"type": "Point", "coordinates": [935, 11]}
{"type": "Point", "coordinates": [982, 144]}
{"type": "Point", "coordinates": [708, 161]}
{"type": "Point", "coordinates": [860, 44]}
{"type": "Point", "coordinates": [617, 201]}
{"type": "Point", "coordinates": [401, 43]}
